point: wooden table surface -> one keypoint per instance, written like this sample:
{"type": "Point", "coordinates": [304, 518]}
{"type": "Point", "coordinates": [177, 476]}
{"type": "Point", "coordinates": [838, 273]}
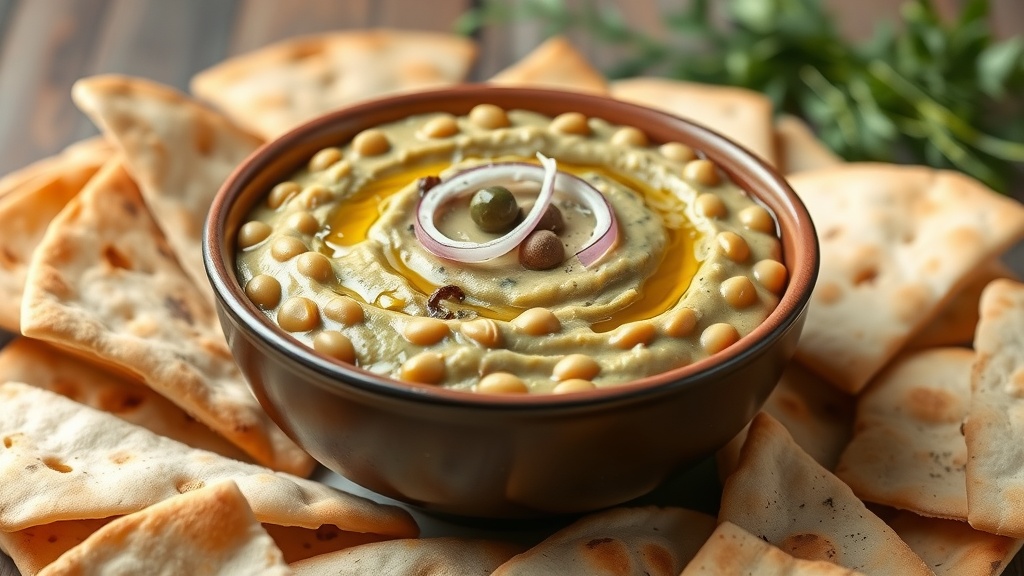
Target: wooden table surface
{"type": "Point", "coordinates": [45, 45]}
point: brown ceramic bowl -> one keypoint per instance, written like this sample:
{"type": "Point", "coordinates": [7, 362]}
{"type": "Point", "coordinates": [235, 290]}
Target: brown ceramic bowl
{"type": "Point", "coordinates": [502, 456]}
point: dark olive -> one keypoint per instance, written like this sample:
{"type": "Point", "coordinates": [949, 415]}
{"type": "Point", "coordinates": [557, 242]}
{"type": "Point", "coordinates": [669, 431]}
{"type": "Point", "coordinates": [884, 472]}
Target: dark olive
{"type": "Point", "coordinates": [494, 209]}
{"type": "Point", "coordinates": [552, 218]}
{"type": "Point", "coordinates": [542, 250]}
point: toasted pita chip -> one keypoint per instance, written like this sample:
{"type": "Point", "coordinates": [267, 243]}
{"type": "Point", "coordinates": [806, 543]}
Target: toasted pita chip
{"type": "Point", "coordinates": [732, 551]}
{"type": "Point", "coordinates": [103, 282]}
{"type": "Point", "coordinates": [209, 531]}
{"type": "Point", "coordinates": [896, 243]}
{"type": "Point", "coordinates": [817, 416]}
{"type": "Point", "coordinates": [995, 420]}
{"type": "Point", "coordinates": [952, 548]}
{"type": "Point", "coordinates": [741, 115]}
{"type": "Point", "coordinates": [648, 540]}
{"type": "Point", "coordinates": [274, 89]}
{"type": "Point", "coordinates": [781, 495]}
{"type": "Point", "coordinates": [33, 362]}
{"type": "Point", "coordinates": [61, 460]}
{"type": "Point", "coordinates": [908, 450]}
{"type": "Point", "coordinates": [178, 152]}
{"type": "Point", "coordinates": [412, 557]}
{"type": "Point", "coordinates": [34, 548]}
{"type": "Point", "coordinates": [955, 323]}
{"type": "Point", "coordinates": [553, 64]}
{"type": "Point", "coordinates": [27, 208]}
{"type": "Point", "coordinates": [797, 149]}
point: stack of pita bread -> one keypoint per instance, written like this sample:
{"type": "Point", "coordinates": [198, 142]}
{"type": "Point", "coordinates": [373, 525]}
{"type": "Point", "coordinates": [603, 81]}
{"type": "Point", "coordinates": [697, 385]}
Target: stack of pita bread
{"type": "Point", "coordinates": [131, 444]}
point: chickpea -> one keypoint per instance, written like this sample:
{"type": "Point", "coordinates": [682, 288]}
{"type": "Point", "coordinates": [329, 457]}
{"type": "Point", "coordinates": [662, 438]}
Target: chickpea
{"type": "Point", "coordinates": [681, 322]}
{"type": "Point", "coordinates": [502, 383]}
{"type": "Point", "coordinates": [758, 219]}
{"type": "Point", "coordinates": [571, 123]}
{"type": "Point", "coordinates": [733, 246]}
{"type": "Point", "coordinates": [573, 385]}
{"type": "Point", "coordinates": [629, 136]}
{"type": "Point", "coordinates": [576, 366]}
{"type": "Point", "coordinates": [738, 292]}
{"type": "Point", "coordinates": [771, 274]}
{"type": "Point", "coordinates": [338, 171]}
{"type": "Point", "coordinates": [335, 345]}
{"type": "Point", "coordinates": [677, 152]}
{"type": "Point", "coordinates": [371, 142]}
{"type": "Point", "coordinates": [702, 171]}
{"type": "Point", "coordinates": [304, 223]}
{"type": "Point", "coordinates": [264, 291]}
{"type": "Point", "coordinates": [718, 337]}
{"type": "Point", "coordinates": [282, 193]}
{"type": "Point", "coordinates": [488, 116]}
{"type": "Point", "coordinates": [324, 159]}
{"type": "Point", "coordinates": [315, 266]}
{"type": "Point", "coordinates": [425, 367]}
{"type": "Point", "coordinates": [285, 248]}
{"type": "Point", "coordinates": [632, 334]}
{"type": "Point", "coordinates": [710, 206]}
{"type": "Point", "coordinates": [298, 314]}
{"type": "Point", "coordinates": [425, 331]}
{"type": "Point", "coordinates": [315, 195]}
{"type": "Point", "coordinates": [541, 250]}
{"type": "Point", "coordinates": [537, 322]}
{"type": "Point", "coordinates": [484, 331]}
{"type": "Point", "coordinates": [252, 233]}
{"type": "Point", "coordinates": [345, 310]}
{"type": "Point", "coordinates": [440, 127]}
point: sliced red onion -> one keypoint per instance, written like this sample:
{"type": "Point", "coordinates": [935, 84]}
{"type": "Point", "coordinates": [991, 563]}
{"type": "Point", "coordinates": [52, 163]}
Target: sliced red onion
{"type": "Point", "coordinates": [474, 179]}
{"type": "Point", "coordinates": [602, 239]}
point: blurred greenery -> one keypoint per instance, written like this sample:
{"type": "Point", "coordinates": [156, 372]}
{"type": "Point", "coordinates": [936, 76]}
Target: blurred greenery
{"type": "Point", "coordinates": [943, 93]}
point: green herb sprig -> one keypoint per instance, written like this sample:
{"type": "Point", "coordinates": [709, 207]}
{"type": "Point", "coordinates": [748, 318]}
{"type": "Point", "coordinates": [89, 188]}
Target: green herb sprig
{"type": "Point", "coordinates": [946, 94]}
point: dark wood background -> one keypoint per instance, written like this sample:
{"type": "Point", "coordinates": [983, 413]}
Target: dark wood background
{"type": "Point", "coordinates": [45, 45]}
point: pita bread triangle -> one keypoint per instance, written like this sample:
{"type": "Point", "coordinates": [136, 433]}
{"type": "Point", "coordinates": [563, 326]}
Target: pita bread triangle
{"type": "Point", "coordinates": [36, 547]}
{"type": "Point", "coordinates": [178, 151]}
{"type": "Point", "coordinates": [953, 548]}
{"type": "Point", "coordinates": [210, 531]}
{"type": "Point", "coordinates": [732, 551]}
{"type": "Point", "coordinates": [647, 540]}
{"type": "Point", "coordinates": [781, 495]}
{"type": "Point", "coordinates": [83, 151]}
{"type": "Point", "coordinates": [412, 557]}
{"type": "Point", "coordinates": [897, 242]}
{"type": "Point", "coordinates": [26, 210]}
{"type": "Point", "coordinates": [104, 283]}
{"type": "Point", "coordinates": [275, 88]}
{"type": "Point", "coordinates": [72, 462]}
{"type": "Point", "coordinates": [553, 64]}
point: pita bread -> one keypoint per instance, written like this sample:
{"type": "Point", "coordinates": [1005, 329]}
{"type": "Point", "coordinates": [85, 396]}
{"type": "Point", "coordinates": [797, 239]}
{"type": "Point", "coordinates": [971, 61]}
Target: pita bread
{"type": "Point", "coordinates": [33, 362]}
{"type": "Point", "coordinates": [34, 548]}
{"type": "Point", "coordinates": [953, 548]}
{"type": "Point", "coordinates": [555, 63]}
{"type": "Point", "coordinates": [896, 243]}
{"type": "Point", "coordinates": [210, 531]}
{"type": "Point", "coordinates": [817, 415]}
{"type": "Point", "coordinates": [412, 557]}
{"type": "Point", "coordinates": [797, 149]}
{"type": "Point", "coordinates": [274, 89]}
{"type": "Point", "coordinates": [732, 551]}
{"type": "Point", "coordinates": [26, 209]}
{"type": "Point", "coordinates": [955, 323]}
{"type": "Point", "coordinates": [177, 151]}
{"type": "Point", "coordinates": [741, 115]}
{"type": "Point", "coordinates": [61, 460]}
{"type": "Point", "coordinates": [781, 495]}
{"type": "Point", "coordinates": [648, 540]}
{"type": "Point", "coordinates": [89, 151]}
{"type": "Point", "coordinates": [995, 420]}
{"type": "Point", "coordinates": [104, 283]}
{"type": "Point", "coordinates": [908, 451]}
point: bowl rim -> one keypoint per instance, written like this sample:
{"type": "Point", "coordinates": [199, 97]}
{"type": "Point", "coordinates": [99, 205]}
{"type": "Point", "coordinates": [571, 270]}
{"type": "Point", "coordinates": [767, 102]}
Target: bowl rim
{"type": "Point", "coordinates": [745, 168]}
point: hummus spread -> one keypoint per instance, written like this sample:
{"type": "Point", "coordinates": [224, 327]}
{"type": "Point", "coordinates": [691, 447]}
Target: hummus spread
{"type": "Point", "coordinates": [332, 256]}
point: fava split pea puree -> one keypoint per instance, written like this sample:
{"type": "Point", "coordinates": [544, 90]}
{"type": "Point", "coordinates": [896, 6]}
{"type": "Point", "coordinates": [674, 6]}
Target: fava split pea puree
{"type": "Point", "coordinates": [333, 256]}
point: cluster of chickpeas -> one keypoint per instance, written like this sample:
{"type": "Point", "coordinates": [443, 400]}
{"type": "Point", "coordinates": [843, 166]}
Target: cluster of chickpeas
{"type": "Point", "coordinates": [572, 372]}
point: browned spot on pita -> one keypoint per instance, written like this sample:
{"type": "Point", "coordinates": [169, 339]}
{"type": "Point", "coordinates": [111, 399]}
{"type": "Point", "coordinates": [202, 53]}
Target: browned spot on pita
{"type": "Point", "coordinates": [120, 457]}
{"type": "Point", "coordinates": [179, 309]}
{"type": "Point", "coordinates": [66, 388]}
{"type": "Point", "coordinates": [865, 275]}
{"type": "Point", "coordinates": [57, 465]}
{"type": "Point", "coordinates": [204, 137]}
{"type": "Point", "coordinates": [933, 405]}
{"type": "Point", "coordinates": [810, 547]}
{"type": "Point", "coordinates": [327, 532]}
{"type": "Point", "coordinates": [8, 258]}
{"type": "Point", "coordinates": [828, 293]}
{"type": "Point", "coordinates": [909, 299]}
{"type": "Point", "coordinates": [610, 554]}
{"type": "Point", "coordinates": [189, 485]}
{"type": "Point", "coordinates": [659, 559]}
{"type": "Point", "coordinates": [116, 259]}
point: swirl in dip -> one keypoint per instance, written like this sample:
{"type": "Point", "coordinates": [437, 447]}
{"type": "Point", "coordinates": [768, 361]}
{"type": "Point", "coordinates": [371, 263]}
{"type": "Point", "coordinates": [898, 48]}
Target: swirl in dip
{"type": "Point", "coordinates": [334, 258]}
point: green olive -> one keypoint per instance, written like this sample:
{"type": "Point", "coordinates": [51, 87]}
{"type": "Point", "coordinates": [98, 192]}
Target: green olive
{"type": "Point", "coordinates": [494, 209]}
